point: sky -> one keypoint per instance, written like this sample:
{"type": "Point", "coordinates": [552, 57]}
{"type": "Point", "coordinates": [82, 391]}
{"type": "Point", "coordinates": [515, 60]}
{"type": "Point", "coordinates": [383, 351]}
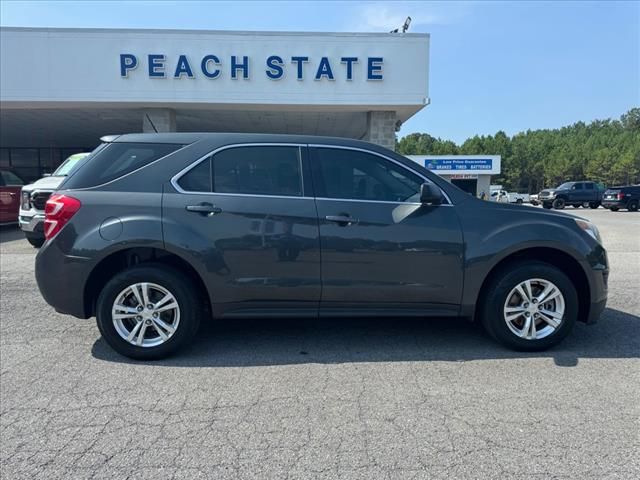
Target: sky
{"type": "Point", "coordinates": [507, 66]}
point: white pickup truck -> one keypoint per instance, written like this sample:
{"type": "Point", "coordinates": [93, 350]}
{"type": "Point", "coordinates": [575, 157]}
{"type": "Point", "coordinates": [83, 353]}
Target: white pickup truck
{"type": "Point", "coordinates": [509, 197]}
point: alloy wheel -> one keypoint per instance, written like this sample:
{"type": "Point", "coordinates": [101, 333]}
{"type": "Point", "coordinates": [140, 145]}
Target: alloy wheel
{"type": "Point", "coordinates": [145, 314]}
{"type": "Point", "coordinates": [534, 309]}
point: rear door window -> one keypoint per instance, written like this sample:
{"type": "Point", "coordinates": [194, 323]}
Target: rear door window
{"type": "Point", "coordinates": [113, 160]}
{"type": "Point", "coordinates": [259, 170]}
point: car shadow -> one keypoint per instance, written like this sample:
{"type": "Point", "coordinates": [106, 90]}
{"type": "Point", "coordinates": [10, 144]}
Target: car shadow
{"type": "Point", "coordinates": [241, 343]}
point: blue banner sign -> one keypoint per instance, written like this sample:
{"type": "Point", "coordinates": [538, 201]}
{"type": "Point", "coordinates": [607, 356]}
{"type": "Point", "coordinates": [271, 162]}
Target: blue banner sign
{"type": "Point", "coordinates": [462, 164]}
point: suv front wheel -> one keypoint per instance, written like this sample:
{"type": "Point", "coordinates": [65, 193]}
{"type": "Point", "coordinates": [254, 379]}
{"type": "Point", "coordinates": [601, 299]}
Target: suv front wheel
{"type": "Point", "coordinates": [529, 307]}
{"type": "Point", "coordinates": [559, 203]}
{"type": "Point", "coordinates": [148, 311]}
{"type": "Point", "coordinates": [35, 240]}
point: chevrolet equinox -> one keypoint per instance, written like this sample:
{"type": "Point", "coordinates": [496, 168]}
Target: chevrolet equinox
{"type": "Point", "coordinates": [152, 233]}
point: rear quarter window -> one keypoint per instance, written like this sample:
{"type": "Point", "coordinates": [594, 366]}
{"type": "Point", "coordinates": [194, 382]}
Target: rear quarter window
{"type": "Point", "coordinates": [114, 160]}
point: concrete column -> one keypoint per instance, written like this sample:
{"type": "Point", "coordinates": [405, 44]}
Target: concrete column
{"type": "Point", "coordinates": [164, 119]}
{"type": "Point", "coordinates": [484, 182]}
{"type": "Point", "coordinates": [381, 129]}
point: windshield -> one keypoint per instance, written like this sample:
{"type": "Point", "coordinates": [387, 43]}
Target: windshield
{"type": "Point", "coordinates": [565, 186]}
{"type": "Point", "coordinates": [64, 169]}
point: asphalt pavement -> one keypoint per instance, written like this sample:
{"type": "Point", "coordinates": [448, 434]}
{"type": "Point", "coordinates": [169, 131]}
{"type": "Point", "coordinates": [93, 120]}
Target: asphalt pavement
{"type": "Point", "coordinates": [344, 398]}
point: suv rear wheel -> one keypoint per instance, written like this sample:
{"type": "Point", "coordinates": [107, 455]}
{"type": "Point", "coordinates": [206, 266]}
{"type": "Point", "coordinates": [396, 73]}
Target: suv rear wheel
{"type": "Point", "coordinates": [633, 206]}
{"type": "Point", "coordinates": [148, 311]}
{"type": "Point", "coordinates": [530, 307]}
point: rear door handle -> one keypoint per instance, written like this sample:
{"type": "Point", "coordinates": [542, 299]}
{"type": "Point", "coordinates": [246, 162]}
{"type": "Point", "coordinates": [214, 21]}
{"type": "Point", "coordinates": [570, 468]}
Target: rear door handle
{"type": "Point", "coordinates": [205, 209]}
{"type": "Point", "coordinates": [342, 220]}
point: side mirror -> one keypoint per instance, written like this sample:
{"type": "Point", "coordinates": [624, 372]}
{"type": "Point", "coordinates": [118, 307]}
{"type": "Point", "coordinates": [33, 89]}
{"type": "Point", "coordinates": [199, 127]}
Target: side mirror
{"type": "Point", "coordinates": [430, 194]}
{"type": "Point", "coordinates": [46, 175]}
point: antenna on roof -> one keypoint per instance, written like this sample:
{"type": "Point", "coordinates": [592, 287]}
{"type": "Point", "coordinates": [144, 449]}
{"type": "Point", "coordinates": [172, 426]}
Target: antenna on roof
{"type": "Point", "coordinates": [404, 27]}
{"type": "Point", "coordinates": [148, 118]}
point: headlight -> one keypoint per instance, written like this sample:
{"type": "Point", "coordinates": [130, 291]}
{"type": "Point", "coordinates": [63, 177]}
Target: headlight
{"type": "Point", "coordinates": [590, 228]}
{"type": "Point", "coordinates": [25, 199]}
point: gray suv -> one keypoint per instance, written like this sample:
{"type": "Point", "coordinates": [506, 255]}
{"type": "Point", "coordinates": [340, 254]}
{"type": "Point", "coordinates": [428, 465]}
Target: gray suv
{"type": "Point", "coordinates": [155, 233]}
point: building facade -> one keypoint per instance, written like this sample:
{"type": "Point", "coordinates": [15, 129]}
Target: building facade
{"type": "Point", "coordinates": [63, 89]}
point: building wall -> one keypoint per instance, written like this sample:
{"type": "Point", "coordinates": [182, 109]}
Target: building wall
{"type": "Point", "coordinates": [146, 68]}
{"type": "Point", "coordinates": [32, 163]}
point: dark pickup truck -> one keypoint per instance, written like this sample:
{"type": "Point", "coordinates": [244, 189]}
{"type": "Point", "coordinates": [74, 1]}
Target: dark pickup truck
{"type": "Point", "coordinates": [572, 193]}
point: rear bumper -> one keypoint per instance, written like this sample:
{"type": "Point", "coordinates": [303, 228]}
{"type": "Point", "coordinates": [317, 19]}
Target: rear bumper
{"type": "Point", "coordinates": [61, 279]}
{"type": "Point", "coordinates": [614, 203]}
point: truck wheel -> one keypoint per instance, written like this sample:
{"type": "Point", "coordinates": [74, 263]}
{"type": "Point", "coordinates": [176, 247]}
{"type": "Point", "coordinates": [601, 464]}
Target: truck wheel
{"type": "Point", "coordinates": [35, 240]}
{"type": "Point", "coordinates": [559, 203]}
{"type": "Point", "coordinates": [148, 311]}
{"type": "Point", "coordinates": [519, 200]}
{"type": "Point", "coordinates": [594, 205]}
{"type": "Point", "coordinates": [530, 306]}
{"type": "Point", "coordinates": [614, 209]}
{"type": "Point", "coordinates": [633, 206]}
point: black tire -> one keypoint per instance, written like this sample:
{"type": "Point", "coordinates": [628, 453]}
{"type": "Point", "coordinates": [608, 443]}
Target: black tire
{"type": "Point", "coordinates": [633, 206]}
{"type": "Point", "coordinates": [495, 296]}
{"type": "Point", "coordinates": [613, 209]}
{"type": "Point", "coordinates": [594, 205]}
{"type": "Point", "coordinates": [35, 240]}
{"type": "Point", "coordinates": [178, 284]}
{"type": "Point", "coordinates": [519, 200]}
{"type": "Point", "coordinates": [577, 205]}
{"type": "Point", "coordinates": [546, 205]}
{"type": "Point", "coordinates": [559, 203]}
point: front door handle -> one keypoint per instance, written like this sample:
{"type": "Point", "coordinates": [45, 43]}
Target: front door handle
{"type": "Point", "coordinates": [205, 209]}
{"type": "Point", "coordinates": [342, 220]}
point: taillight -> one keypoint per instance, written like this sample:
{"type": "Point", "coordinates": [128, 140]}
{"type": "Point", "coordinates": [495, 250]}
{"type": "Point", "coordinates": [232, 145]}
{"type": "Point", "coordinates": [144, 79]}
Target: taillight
{"type": "Point", "coordinates": [57, 212]}
{"type": "Point", "coordinates": [620, 195]}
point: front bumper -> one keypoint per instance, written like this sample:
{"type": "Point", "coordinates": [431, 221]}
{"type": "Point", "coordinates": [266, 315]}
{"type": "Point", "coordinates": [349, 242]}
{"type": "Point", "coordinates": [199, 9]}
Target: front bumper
{"type": "Point", "coordinates": [598, 280]}
{"type": "Point", "coordinates": [31, 223]}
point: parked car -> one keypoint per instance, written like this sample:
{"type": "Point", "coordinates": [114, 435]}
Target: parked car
{"type": "Point", "coordinates": [157, 232]}
{"type": "Point", "coordinates": [617, 198]}
{"type": "Point", "coordinates": [34, 196]}
{"type": "Point", "coordinates": [577, 194]}
{"type": "Point", "coordinates": [10, 184]}
{"type": "Point", "coordinates": [510, 197]}
{"type": "Point", "coordinates": [533, 199]}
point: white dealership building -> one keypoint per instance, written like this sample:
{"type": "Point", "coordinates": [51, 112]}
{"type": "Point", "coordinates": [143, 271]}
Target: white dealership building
{"type": "Point", "coordinates": [62, 89]}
